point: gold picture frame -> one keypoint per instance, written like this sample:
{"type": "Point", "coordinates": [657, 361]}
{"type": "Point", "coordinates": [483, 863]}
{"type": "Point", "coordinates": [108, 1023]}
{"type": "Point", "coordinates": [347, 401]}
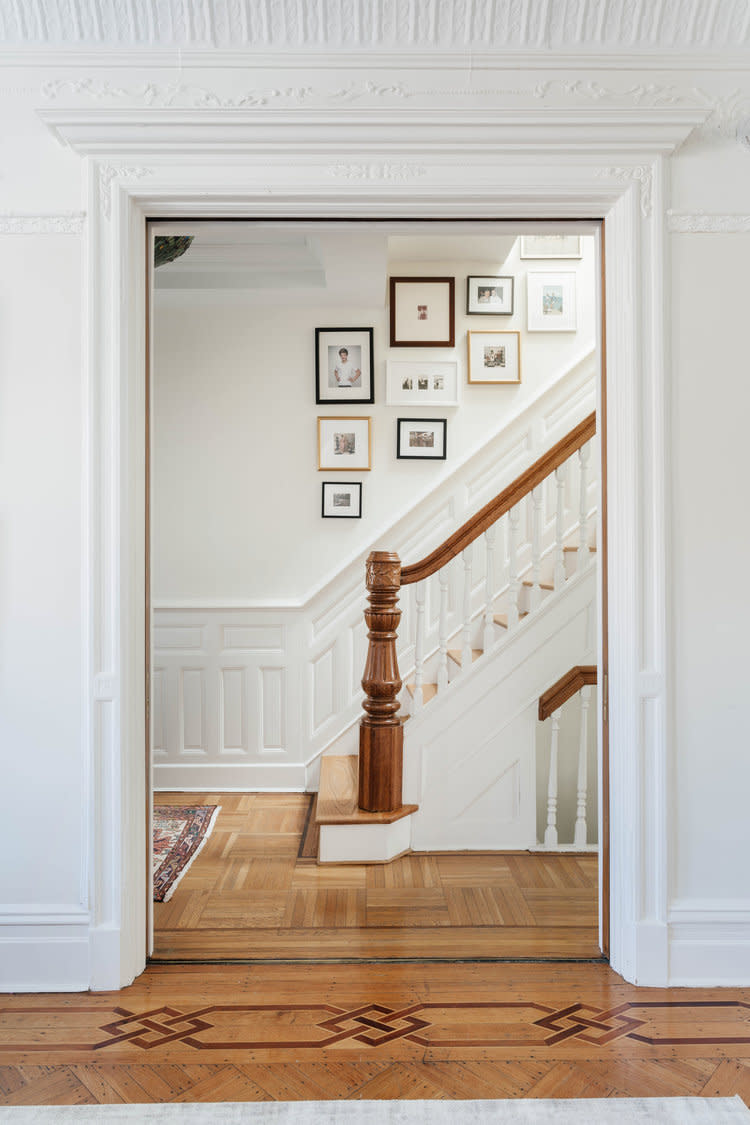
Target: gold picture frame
{"type": "Point", "coordinates": [345, 444]}
{"type": "Point", "coordinates": [493, 358]}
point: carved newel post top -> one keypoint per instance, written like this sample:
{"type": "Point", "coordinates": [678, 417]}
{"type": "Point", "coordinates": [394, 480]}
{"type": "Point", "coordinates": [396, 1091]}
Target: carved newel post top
{"type": "Point", "coordinates": [383, 570]}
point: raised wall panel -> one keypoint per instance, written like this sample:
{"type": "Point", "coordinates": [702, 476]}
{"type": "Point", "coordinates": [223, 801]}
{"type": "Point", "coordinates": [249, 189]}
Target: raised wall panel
{"type": "Point", "coordinates": [193, 708]}
{"type": "Point", "coordinates": [254, 638]}
{"type": "Point", "coordinates": [322, 688]}
{"type": "Point", "coordinates": [273, 708]}
{"type": "Point", "coordinates": [157, 710]}
{"type": "Point", "coordinates": [232, 710]}
{"type": "Point", "coordinates": [186, 638]}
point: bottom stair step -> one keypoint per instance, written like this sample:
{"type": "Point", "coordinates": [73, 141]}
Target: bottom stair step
{"type": "Point", "coordinates": [337, 796]}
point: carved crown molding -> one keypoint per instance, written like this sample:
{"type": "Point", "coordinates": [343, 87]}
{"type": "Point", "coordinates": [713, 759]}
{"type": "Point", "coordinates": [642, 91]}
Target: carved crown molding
{"type": "Point", "coordinates": [66, 222]}
{"type": "Point", "coordinates": [362, 24]}
{"type": "Point", "coordinates": [700, 222]}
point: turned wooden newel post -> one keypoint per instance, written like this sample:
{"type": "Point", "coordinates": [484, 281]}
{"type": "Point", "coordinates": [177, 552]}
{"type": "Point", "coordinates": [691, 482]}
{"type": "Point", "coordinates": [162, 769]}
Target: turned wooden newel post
{"type": "Point", "coordinates": [381, 736]}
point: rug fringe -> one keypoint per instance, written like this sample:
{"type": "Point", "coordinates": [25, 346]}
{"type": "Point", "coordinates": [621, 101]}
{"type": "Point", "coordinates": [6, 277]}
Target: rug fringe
{"type": "Point", "coordinates": [194, 856]}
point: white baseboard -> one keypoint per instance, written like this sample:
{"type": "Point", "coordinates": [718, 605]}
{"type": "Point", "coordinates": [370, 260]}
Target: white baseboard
{"type": "Point", "coordinates": [709, 943]}
{"type": "Point", "coordinates": [44, 949]}
{"type": "Point", "coordinates": [229, 777]}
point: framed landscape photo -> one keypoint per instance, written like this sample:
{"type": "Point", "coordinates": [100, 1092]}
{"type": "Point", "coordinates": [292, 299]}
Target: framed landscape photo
{"type": "Point", "coordinates": [551, 246]}
{"type": "Point", "coordinates": [551, 301]}
{"type": "Point", "coordinates": [342, 501]}
{"type": "Point", "coordinates": [423, 312]}
{"type": "Point", "coordinates": [421, 383]}
{"type": "Point", "coordinates": [494, 357]}
{"type": "Point", "coordinates": [344, 365]}
{"type": "Point", "coordinates": [421, 439]}
{"type": "Point", "coordinates": [344, 444]}
{"type": "Point", "coordinates": [489, 296]}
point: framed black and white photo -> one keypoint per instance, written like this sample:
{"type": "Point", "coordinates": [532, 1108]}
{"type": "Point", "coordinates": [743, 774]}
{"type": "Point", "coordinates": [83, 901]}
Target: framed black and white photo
{"type": "Point", "coordinates": [551, 301]}
{"type": "Point", "coordinates": [551, 246]}
{"type": "Point", "coordinates": [342, 501]}
{"type": "Point", "coordinates": [423, 312]}
{"type": "Point", "coordinates": [421, 439]}
{"type": "Point", "coordinates": [494, 357]}
{"type": "Point", "coordinates": [344, 444]}
{"type": "Point", "coordinates": [413, 382]}
{"type": "Point", "coordinates": [489, 296]}
{"type": "Point", "coordinates": [344, 365]}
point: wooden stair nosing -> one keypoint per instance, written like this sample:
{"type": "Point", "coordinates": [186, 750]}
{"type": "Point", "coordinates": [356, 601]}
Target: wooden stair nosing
{"type": "Point", "coordinates": [429, 691]}
{"type": "Point", "coordinates": [501, 619]}
{"type": "Point", "coordinates": [592, 550]}
{"type": "Point", "coordinates": [337, 796]}
{"type": "Point", "coordinates": [455, 654]}
{"type": "Point", "coordinates": [529, 584]}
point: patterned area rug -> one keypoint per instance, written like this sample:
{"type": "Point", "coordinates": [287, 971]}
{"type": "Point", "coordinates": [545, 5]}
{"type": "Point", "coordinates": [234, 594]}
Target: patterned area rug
{"type": "Point", "coordinates": [180, 831]}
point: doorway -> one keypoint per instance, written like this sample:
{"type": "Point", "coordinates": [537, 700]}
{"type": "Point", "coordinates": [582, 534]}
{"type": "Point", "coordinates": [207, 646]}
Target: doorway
{"type": "Point", "coordinates": [297, 258]}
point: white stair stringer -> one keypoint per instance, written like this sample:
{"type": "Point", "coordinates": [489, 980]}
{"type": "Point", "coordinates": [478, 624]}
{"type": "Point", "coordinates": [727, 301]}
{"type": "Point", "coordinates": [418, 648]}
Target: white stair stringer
{"type": "Point", "coordinates": [469, 756]}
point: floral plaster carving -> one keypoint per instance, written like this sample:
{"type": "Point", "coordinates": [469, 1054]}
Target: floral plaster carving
{"type": "Point", "coordinates": [388, 172]}
{"type": "Point", "coordinates": [641, 173]}
{"type": "Point", "coordinates": [700, 222]}
{"type": "Point", "coordinates": [108, 173]}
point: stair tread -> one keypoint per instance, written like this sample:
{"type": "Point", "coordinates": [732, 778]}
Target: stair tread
{"type": "Point", "coordinates": [337, 795]}
{"type": "Point", "coordinates": [429, 691]}
{"type": "Point", "coordinates": [529, 583]}
{"type": "Point", "coordinates": [501, 619]}
{"type": "Point", "coordinates": [455, 654]}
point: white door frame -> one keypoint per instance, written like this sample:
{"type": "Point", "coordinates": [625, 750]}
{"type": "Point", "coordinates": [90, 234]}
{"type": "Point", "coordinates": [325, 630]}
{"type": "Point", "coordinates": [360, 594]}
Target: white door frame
{"type": "Point", "coordinates": [568, 167]}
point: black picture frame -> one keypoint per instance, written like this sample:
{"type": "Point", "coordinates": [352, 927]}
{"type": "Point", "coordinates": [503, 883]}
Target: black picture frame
{"type": "Point", "coordinates": [330, 490]}
{"type": "Point", "coordinates": [494, 294]}
{"type": "Point", "coordinates": [407, 429]}
{"type": "Point", "coordinates": [358, 343]}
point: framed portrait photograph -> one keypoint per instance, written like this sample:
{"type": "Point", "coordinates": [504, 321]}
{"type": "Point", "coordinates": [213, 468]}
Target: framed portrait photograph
{"type": "Point", "coordinates": [551, 301]}
{"type": "Point", "coordinates": [344, 365]}
{"type": "Point", "coordinates": [341, 501]}
{"type": "Point", "coordinates": [494, 357]}
{"type": "Point", "coordinates": [551, 246]}
{"type": "Point", "coordinates": [421, 439]}
{"type": "Point", "coordinates": [344, 444]}
{"type": "Point", "coordinates": [489, 296]}
{"type": "Point", "coordinates": [415, 383]}
{"type": "Point", "coordinates": [423, 312]}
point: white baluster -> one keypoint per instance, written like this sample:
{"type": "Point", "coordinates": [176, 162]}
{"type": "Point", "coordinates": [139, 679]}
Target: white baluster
{"type": "Point", "coordinates": [514, 586]}
{"type": "Point", "coordinates": [583, 516]}
{"type": "Point", "coordinates": [561, 474]}
{"type": "Point", "coordinates": [419, 648]}
{"type": "Point", "coordinates": [489, 588]}
{"type": "Point", "coordinates": [536, 546]}
{"type": "Point", "coordinates": [580, 836]}
{"type": "Point", "coordinates": [550, 834]}
{"type": "Point", "coordinates": [442, 674]}
{"type": "Point", "coordinates": [466, 652]}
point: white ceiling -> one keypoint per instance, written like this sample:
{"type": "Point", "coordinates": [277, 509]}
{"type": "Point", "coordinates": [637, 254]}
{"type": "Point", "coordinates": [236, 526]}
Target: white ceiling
{"type": "Point", "coordinates": [318, 25]}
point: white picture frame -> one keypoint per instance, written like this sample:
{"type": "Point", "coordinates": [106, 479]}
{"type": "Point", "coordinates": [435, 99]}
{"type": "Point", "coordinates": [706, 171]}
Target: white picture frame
{"type": "Point", "coordinates": [551, 246]}
{"type": "Point", "coordinates": [551, 301]}
{"type": "Point", "coordinates": [416, 382]}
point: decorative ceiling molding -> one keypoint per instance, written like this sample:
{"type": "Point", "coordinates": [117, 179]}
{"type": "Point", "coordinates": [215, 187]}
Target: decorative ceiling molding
{"type": "Point", "coordinates": [386, 24]}
{"type": "Point", "coordinates": [66, 222]}
{"type": "Point", "coordinates": [700, 222]}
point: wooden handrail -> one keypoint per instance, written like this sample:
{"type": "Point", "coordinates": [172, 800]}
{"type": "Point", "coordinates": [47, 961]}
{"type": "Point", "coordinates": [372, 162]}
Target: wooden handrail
{"type": "Point", "coordinates": [502, 503]}
{"type": "Point", "coordinates": [566, 686]}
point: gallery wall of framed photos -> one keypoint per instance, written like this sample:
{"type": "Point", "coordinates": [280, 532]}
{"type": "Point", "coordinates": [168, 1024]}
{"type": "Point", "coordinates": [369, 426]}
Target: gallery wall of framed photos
{"type": "Point", "coordinates": [315, 415]}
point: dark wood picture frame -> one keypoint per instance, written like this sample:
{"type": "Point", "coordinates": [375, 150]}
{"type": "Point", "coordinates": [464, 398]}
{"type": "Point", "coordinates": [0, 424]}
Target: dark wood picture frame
{"type": "Point", "coordinates": [446, 332]}
{"type": "Point", "coordinates": [429, 423]}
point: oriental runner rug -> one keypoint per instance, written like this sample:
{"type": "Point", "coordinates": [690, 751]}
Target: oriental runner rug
{"type": "Point", "coordinates": [180, 831]}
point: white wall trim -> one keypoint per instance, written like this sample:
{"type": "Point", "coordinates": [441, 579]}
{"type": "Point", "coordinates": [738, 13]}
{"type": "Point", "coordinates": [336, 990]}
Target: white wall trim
{"type": "Point", "coordinates": [539, 164]}
{"type": "Point", "coordinates": [709, 942]}
{"type": "Point", "coordinates": [44, 948]}
{"type": "Point", "coordinates": [272, 777]}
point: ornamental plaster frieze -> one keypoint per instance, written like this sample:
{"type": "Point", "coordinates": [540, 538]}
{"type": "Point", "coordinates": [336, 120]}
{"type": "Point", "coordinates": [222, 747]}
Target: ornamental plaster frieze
{"type": "Point", "coordinates": [389, 173]}
{"type": "Point", "coordinates": [701, 222]}
{"type": "Point", "coordinates": [66, 222]}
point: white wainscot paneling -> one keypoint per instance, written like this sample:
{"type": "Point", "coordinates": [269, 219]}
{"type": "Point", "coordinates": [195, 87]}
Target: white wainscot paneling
{"type": "Point", "coordinates": [273, 711]}
{"type": "Point", "coordinates": [193, 709]}
{"type": "Point", "coordinates": [234, 711]}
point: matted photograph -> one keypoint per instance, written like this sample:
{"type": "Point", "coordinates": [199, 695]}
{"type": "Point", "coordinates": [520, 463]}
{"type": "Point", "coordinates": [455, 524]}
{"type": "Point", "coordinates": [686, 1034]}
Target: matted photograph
{"type": "Point", "coordinates": [489, 296]}
{"type": "Point", "coordinates": [421, 439]}
{"type": "Point", "coordinates": [494, 357]}
{"type": "Point", "coordinates": [344, 365]}
{"type": "Point", "coordinates": [342, 501]}
{"type": "Point", "coordinates": [551, 246]}
{"type": "Point", "coordinates": [423, 312]}
{"type": "Point", "coordinates": [415, 383]}
{"type": "Point", "coordinates": [344, 444]}
{"type": "Point", "coordinates": [551, 301]}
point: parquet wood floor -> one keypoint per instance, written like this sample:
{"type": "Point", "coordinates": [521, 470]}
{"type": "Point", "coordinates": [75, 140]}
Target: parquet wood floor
{"type": "Point", "coordinates": [254, 893]}
{"type": "Point", "coordinates": [287, 1032]}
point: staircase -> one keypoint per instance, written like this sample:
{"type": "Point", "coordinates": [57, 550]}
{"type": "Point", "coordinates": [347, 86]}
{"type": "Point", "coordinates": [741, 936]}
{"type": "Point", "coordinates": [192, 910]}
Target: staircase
{"type": "Point", "coordinates": [448, 759]}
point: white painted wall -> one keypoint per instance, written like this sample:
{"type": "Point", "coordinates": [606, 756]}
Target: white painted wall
{"type": "Point", "coordinates": [236, 489]}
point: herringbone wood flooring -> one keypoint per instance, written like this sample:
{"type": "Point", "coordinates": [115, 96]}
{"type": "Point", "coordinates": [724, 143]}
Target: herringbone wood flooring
{"type": "Point", "coordinates": [249, 895]}
{"type": "Point", "coordinates": [287, 1032]}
